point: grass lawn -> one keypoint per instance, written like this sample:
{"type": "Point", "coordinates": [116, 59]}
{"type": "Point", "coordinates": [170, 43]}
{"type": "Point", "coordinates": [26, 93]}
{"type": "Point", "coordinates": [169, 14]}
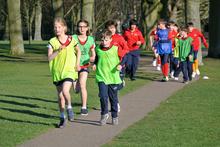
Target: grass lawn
{"type": "Point", "coordinates": [189, 118]}
{"type": "Point", "coordinates": [28, 101]}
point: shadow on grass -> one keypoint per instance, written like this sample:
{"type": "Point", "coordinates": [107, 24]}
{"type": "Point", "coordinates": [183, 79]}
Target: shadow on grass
{"type": "Point", "coordinates": [29, 112]}
{"type": "Point", "coordinates": [28, 98]}
{"type": "Point", "coordinates": [25, 121]}
{"type": "Point", "coordinates": [19, 104]}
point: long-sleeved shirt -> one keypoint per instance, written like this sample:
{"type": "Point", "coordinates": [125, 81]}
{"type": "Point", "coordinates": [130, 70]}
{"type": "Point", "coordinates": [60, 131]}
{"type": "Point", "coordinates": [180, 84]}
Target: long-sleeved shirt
{"type": "Point", "coordinates": [195, 35]}
{"type": "Point", "coordinates": [120, 42]}
{"type": "Point", "coordinates": [132, 38]}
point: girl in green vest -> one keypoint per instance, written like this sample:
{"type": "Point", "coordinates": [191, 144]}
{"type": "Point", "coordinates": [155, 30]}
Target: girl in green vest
{"type": "Point", "coordinates": [87, 47]}
{"type": "Point", "coordinates": [64, 58]}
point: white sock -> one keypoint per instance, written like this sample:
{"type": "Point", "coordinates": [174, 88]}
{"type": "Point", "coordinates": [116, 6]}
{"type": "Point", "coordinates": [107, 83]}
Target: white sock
{"type": "Point", "coordinates": [69, 106]}
{"type": "Point", "coordinates": [84, 107]}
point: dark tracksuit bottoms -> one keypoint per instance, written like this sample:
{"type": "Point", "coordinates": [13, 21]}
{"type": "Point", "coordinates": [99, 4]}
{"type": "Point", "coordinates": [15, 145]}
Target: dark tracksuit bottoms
{"type": "Point", "coordinates": [108, 92]}
{"type": "Point", "coordinates": [186, 68]}
{"type": "Point", "coordinates": [132, 62]}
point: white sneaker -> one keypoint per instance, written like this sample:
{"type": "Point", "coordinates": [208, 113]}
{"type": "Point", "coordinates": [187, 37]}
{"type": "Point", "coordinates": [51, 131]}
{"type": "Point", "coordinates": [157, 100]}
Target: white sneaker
{"type": "Point", "coordinates": [167, 79]}
{"type": "Point", "coordinates": [172, 74]}
{"type": "Point", "coordinates": [158, 68]}
{"type": "Point", "coordinates": [197, 72]}
{"type": "Point", "coordinates": [119, 108]}
{"type": "Point", "coordinates": [176, 78]}
{"type": "Point", "coordinates": [154, 63]}
{"type": "Point", "coordinates": [193, 75]}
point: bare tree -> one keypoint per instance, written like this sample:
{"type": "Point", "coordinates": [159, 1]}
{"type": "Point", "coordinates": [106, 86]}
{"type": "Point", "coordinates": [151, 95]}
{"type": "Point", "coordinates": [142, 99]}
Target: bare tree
{"type": "Point", "coordinates": [150, 15]}
{"type": "Point", "coordinates": [88, 11]}
{"type": "Point", "coordinates": [16, 40]}
{"type": "Point", "coordinates": [38, 20]}
{"type": "Point", "coordinates": [58, 8]}
{"type": "Point", "coordinates": [193, 15]}
{"type": "Point", "coordinates": [214, 29]}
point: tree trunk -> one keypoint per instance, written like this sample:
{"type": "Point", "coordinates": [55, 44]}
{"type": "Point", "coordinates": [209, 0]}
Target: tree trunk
{"type": "Point", "coordinates": [193, 15]}
{"type": "Point", "coordinates": [6, 33]}
{"type": "Point", "coordinates": [58, 8]}
{"type": "Point", "coordinates": [15, 31]}
{"type": "Point", "coordinates": [38, 19]}
{"type": "Point", "coordinates": [214, 29]}
{"type": "Point", "coordinates": [88, 11]}
{"type": "Point", "coordinates": [150, 15]}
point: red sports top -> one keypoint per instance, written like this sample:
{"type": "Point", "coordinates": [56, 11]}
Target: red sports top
{"type": "Point", "coordinates": [172, 35]}
{"type": "Point", "coordinates": [195, 35]}
{"type": "Point", "coordinates": [120, 42]}
{"type": "Point", "coordinates": [132, 38]}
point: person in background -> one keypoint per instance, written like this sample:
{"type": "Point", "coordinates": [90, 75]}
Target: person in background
{"type": "Point", "coordinates": [164, 47]}
{"type": "Point", "coordinates": [195, 34]}
{"type": "Point", "coordinates": [134, 39]}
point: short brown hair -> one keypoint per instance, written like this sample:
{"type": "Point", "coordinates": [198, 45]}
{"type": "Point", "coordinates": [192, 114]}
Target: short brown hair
{"type": "Point", "coordinates": [106, 33]}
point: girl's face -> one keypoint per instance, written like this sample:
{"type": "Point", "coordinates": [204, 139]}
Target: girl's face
{"type": "Point", "coordinates": [112, 29]}
{"type": "Point", "coordinates": [83, 28]}
{"type": "Point", "coordinates": [106, 41]}
{"type": "Point", "coordinates": [59, 28]}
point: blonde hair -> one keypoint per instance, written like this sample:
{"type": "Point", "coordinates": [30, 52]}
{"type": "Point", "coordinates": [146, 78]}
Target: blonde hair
{"type": "Point", "coordinates": [62, 22]}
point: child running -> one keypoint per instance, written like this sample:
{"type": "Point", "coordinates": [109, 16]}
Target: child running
{"type": "Point", "coordinates": [64, 58]}
{"type": "Point", "coordinates": [164, 47]}
{"type": "Point", "coordinates": [108, 66]}
{"type": "Point", "coordinates": [173, 34]}
{"type": "Point", "coordinates": [118, 41]}
{"type": "Point", "coordinates": [134, 39]}
{"type": "Point", "coordinates": [195, 34]}
{"type": "Point", "coordinates": [156, 58]}
{"type": "Point", "coordinates": [87, 45]}
{"type": "Point", "coordinates": [185, 53]}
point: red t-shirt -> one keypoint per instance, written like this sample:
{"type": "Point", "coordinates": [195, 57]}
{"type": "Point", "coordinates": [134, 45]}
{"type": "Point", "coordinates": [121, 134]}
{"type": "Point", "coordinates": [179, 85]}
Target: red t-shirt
{"type": "Point", "coordinates": [119, 41]}
{"type": "Point", "coordinates": [172, 36]}
{"type": "Point", "coordinates": [132, 38]}
{"type": "Point", "coordinates": [195, 35]}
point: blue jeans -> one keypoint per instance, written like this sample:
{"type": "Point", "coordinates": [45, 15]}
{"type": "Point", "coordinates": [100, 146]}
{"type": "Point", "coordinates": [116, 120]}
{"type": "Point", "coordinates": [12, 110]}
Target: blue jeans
{"type": "Point", "coordinates": [108, 92]}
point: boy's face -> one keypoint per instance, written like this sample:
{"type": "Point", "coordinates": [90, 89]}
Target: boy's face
{"type": "Point", "coordinates": [106, 41]}
{"type": "Point", "coordinates": [190, 28]}
{"type": "Point", "coordinates": [161, 26]}
{"type": "Point", "coordinates": [133, 27]}
{"type": "Point", "coordinates": [183, 34]}
{"type": "Point", "coordinates": [112, 29]}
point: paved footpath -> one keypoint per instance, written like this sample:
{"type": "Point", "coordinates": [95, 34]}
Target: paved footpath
{"type": "Point", "coordinates": [86, 132]}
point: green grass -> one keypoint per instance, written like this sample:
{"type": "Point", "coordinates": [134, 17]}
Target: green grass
{"type": "Point", "coordinates": [28, 101]}
{"type": "Point", "coordinates": [189, 118]}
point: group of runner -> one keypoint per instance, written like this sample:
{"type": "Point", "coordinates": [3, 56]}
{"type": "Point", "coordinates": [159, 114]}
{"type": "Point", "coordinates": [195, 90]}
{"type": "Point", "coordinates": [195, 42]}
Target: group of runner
{"type": "Point", "coordinates": [71, 56]}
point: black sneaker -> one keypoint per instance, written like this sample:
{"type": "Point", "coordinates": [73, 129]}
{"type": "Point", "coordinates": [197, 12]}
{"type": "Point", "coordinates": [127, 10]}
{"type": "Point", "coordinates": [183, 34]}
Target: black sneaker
{"type": "Point", "coordinates": [62, 123]}
{"type": "Point", "coordinates": [84, 112]}
{"type": "Point", "coordinates": [70, 114]}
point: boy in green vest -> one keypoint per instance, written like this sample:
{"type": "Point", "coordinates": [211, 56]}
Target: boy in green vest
{"type": "Point", "coordinates": [185, 55]}
{"type": "Point", "coordinates": [108, 66]}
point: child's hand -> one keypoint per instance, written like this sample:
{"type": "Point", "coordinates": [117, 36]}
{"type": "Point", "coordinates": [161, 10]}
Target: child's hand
{"type": "Point", "coordinates": [92, 59]}
{"type": "Point", "coordinates": [190, 57]}
{"type": "Point", "coordinates": [138, 43]}
{"type": "Point", "coordinates": [119, 67]}
{"type": "Point", "coordinates": [77, 67]}
{"type": "Point", "coordinates": [94, 67]}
